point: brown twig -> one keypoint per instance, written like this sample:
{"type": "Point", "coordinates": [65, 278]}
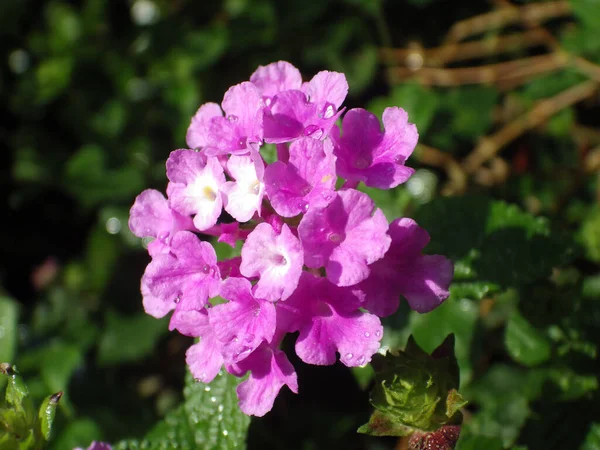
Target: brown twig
{"type": "Point", "coordinates": [519, 69]}
{"type": "Point", "coordinates": [456, 52]}
{"type": "Point", "coordinates": [542, 111]}
{"type": "Point", "coordinates": [534, 13]}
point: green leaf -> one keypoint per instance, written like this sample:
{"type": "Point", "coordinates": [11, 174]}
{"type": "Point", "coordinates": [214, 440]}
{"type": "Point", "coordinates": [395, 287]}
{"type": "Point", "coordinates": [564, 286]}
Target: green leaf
{"type": "Point", "coordinates": [128, 339]}
{"type": "Point", "coordinates": [78, 433]}
{"type": "Point", "coordinates": [53, 77]}
{"type": "Point", "coordinates": [209, 418]}
{"type": "Point", "coordinates": [46, 414]}
{"type": "Point", "coordinates": [9, 316]}
{"type": "Point", "coordinates": [475, 442]}
{"type": "Point", "coordinates": [525, 343]}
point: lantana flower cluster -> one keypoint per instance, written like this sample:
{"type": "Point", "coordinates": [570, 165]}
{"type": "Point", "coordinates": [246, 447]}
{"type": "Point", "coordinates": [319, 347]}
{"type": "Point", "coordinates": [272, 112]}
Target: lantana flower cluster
{"type": "Point", "coordinates": [316, 258]}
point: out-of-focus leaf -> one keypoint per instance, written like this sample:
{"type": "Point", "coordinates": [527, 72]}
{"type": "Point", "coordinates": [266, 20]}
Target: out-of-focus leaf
{"type": "Point", "coordinates": [420, 102]}
{"type": "Point", "coordinates": [587, 12]}
{"type": "Point", "coordinates": [127, 339]}
{"type": "Point", "coordinates": [53, 76]}
{"type": "Point", "coordinates": [469, 441]}
{"type": "Point", "coordinates": [209, 418]}
{"type": "Point", "coordinates": [525, 343]}
{"type": "Point", "coordinates": [470, 109]}
{"type": "Point", "coordinates": [102, 253]}
{"type": "Point", "coordinates": [9, 316]}
{"type": "Point", "coordinates": [589, 234]}
{"type": "Point", "coordinates": [592, 440]}
{"type": "Point", "coordinates": [78, 433]}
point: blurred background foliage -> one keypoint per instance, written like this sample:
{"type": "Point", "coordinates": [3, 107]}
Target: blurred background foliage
{"type": "Point", "coordinates": [94, 94]}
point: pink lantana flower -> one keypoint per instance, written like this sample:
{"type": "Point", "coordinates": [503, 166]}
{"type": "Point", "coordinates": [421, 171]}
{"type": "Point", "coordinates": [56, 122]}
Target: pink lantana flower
{"type": "Point", "coordinates": [276, 258]}
{"type": "Point", "coordinates": [344, 237]}
{"type": "Point", "coordinates": [244, 322]}
{"type": "Point", "coordinates": [185, 278]}
{"type": "Point", "coordinates": [275, 78]}
{"type": "Point", "coordinates": [243, 197]}
{"type": "Point", "coordinates": [269, 370]}
{"type": "Point", "coordinates": [365, 153]}
{"type": "Point", "coordinates": [329, 320]}
{"type": "Point", "coordinates": [306, 180]}
{"type": "Point", "coordinates": [422, 279]}
{"type": "Point", "coordinates": [194, 188]}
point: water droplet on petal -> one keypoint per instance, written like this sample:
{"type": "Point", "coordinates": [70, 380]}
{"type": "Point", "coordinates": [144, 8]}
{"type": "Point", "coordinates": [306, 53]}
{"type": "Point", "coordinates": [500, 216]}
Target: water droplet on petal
{"type": "Point", "coordinates": [232, 118]}
{"type": "Point", "coordinates": [206, 268]}
{"type": "Point", "coordinates": [335, 237]}
{"type": "Point", "coordinates": [197, 149]}
{"type": "Point", "coordinates": [250, 337]}
{"type": "Point", "coordinates": [310, 130]}
{"type": "Point", "coordinates": [378, 334]}
{"type": "Point", "coordinates": [361, 163]}
{"type": "Point", "coordinates": [177, 299]}
{"type": "Point", "coordinates": [243, 142]}
{"type": "Point", "coordinates": [328, 111]}
{"type": "Point", "coordinates": [349, 356]}
{"type": "Point", "coordinates": [267, 101]}
{"type": "Point", "coordinates": [399, 159]}
{"type": "Point", "coordinates": [256, 188]}
{"type": "Point", "coordinates": [361, 360]}
{"type": "Point", "coordinates": [256, 312]}
{"type": "Point", "coordinates": [367, 334]}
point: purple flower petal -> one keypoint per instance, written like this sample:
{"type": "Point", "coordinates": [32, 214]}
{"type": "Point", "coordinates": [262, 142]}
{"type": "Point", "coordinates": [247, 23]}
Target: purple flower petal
{"type": "Point", "coordinates": [197, 133]}
{"type": "Point", "coordinates": [242, 323]}
{"type": "Point", "coordinates": [269, 370]}
{"type": "Point", "coordinates": [308, 179]}
{"type": "Point", "coordinates": [151, 216]}
{"type": "Point", "coordinates": [422, 279]}
{"type": "Point", "coordinates": [366, 154]}
{"type": "Point", "coordinates": [241, 130]}
{"type": "Point", "coordinates": [195, 186]}
{"type": "Point", "coordinates": [187, 276]}
{"type": "Point", "coordinates": [345, 236]}
{"type": "Point", "coordinates": [204, 358]}
{"type": "Point", "coordinates": [327, 87]}
{"type": "Point", "coordinates": [276, 257]}
{"type": "Point", "coordinates": [276, 77]}
{"type": "Point", "coordinates": [329, 320]}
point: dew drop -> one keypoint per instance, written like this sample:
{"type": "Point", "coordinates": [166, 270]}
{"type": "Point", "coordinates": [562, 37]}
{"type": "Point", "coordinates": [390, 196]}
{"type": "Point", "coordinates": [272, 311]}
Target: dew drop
{"type": "Point", "coordinates": [213, 399]}
{"type": "Point", "coordinates": [367, 334]}
{"type": "Point", "coordinates": [197, 149]}
{"type": "Point", "coordinates": [334, 237]}
{"type": "Point", "coordinates": [349, 356]}
{"type": "Point", "coordinates": [225, 432]}
{"type": "Point", "coordinates": [206, 268]}
{"type": "Point", "coordinates": [399, 159]}
{"type": "Point", "coordinates": [232, 118]}
{"type": "Point", "coordinates": [220, 408]}
{"type": "Point", "coordinates": [207, 389]}
{"type": "Point", "coordinates": [256, 188]}
{"type": "Point", "coordinates": [361, 163]}
{"type": "Point", "coordinates": [378, 334]}
{"type": "Point", "coordinates": [256, 312]}
{"type": "Point", "coordinates": [243, 143]}
{"type": "Point", "coordinates": [361, 360]}
{"type": "Point", "coordinates": [328, 111]}
{"type": "Point", "coordinates": [267, 101]}
{"type": "Point", "coordinates": [177, 299]}
{"type": "Point", "coordinates": [310, 130]}
{"type": "Point", "coordinates": [249, 338]}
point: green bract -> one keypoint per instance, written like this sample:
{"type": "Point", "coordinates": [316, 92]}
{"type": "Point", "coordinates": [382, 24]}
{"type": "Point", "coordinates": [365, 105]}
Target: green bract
{"type": "Point", "coordinates": [415, 391]}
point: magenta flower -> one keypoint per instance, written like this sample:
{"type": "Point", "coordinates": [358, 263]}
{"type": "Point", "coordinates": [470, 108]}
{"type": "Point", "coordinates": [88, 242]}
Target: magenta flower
{"type": "Point", "coordinates": [366, 154]}
{"type": "Point", "coordinates": [186, 277]}
{"type": "Point", "coordinates": [243, 197]}
{"type": "Point", "coordinates": [422, 279]}
{"type": "Point", "coordinates": [307, 180]}
{"type": "Point", "coordinates": [204, 358]}
{"type": "Point", "coordinates": [151, 216]}
{"type": "Point", "coordinates": [344, 237]}
{"type": "Point", "coordinates": [329, 320]}
{"type": "Point", "coordinates": [240, 132]}
{"type": "Point", "coordinates": [269, 370]}
{"type": "Point", "coordinates": [276, 77]}
{"type": "Point", "coordinates": [244, 322]}
{"type": "Point", "coordinates": [194, 187]}
{"type": "Point", "coordinates": [276, 258]}
{"type": "Point", "coordinates": [287, 214]}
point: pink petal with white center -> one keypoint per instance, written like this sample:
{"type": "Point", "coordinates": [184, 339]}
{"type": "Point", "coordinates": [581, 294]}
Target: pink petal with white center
{"type": "Point", "coordinates": [197, 133]}
{"type": "Point", "coordinates": [244, 322]}
{"type": "Point", "coordinates": [277, 258]}
{"type": "Point", "coordinates": [195, 186]}
{"type": "Point", "coordinates": [242, 197]}
{"type": "Point", "coordinates": [276, 77]}
{"type": "Point", "coordinates": [269, 370]}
